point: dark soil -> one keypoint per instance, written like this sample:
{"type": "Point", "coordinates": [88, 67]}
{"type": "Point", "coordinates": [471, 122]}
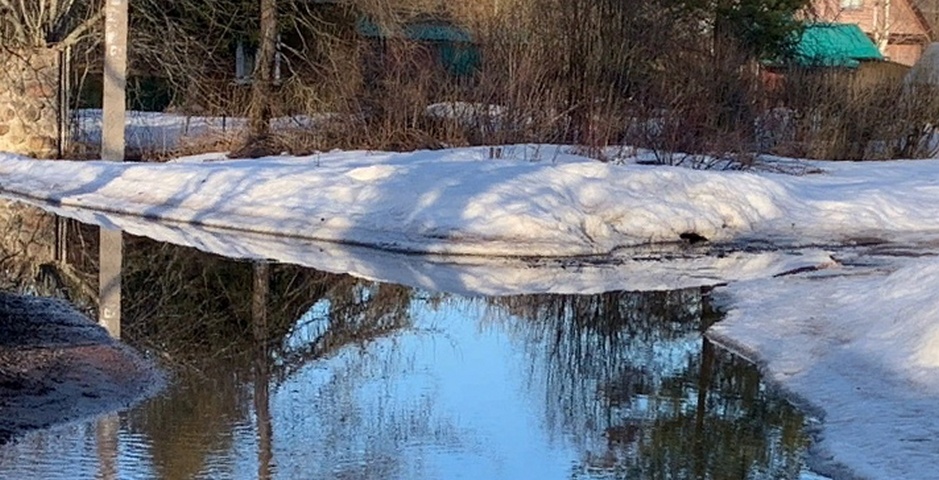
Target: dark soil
{"type": "Point", "coordinates": [56, 366]}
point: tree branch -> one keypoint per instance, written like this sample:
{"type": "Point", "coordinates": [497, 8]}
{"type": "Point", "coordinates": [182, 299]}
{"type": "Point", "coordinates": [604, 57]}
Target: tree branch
{"type": "Point", "coordinates": [75, 35]}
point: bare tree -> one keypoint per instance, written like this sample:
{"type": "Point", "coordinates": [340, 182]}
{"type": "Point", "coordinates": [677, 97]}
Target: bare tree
{"type": "Point", "coordinates": [47, 23]}
{"type": "Point", "coordinates": [264, 71]}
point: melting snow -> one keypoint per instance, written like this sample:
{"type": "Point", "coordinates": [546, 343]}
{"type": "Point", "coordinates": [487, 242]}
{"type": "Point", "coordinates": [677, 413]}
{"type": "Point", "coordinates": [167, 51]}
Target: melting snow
{"type": "Point", "coordinates": [539, 201]}
{"type": "Point", "coordinates": [860, 349]}
{"type": "Point", "coordinates": [857, 344]}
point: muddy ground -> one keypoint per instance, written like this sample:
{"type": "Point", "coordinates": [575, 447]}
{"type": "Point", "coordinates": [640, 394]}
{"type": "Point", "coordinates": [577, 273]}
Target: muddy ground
{"type": "Point", "coordinates": [57, 366]}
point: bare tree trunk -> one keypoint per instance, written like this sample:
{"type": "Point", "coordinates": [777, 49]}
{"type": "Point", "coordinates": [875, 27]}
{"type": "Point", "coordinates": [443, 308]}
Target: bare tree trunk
{"type": "Point", "coordinates": [882, 25]}
{"type": "Point", "coordinates": [258, 143]}
{"type": "Point", "coordinates": [260, 301]}
{"type": "Point", "coordinates": [264, 71]}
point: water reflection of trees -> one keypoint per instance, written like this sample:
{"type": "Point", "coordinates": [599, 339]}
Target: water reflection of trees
{"type": "Point", "coordinates": [364, 416]}
{"type": "Point", "coordinates": [183, 302]}
{"type": "Point", "coordinates": [353, 313]}
{"type": "Point", "coordinates": [629, 379]}
{"type": "Point", "coordinates": [31, 257]}
{"type": "Point", "coordinates": [232, 330]}
{"type": "Point", "coordinates": [349, 421]}
{"type": "Point", "coordinates": [229, 328]}
{"type": "Point", "coordinates": [233, 327]}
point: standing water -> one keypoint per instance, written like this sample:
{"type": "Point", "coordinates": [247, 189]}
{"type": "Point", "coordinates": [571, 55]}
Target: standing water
{"type": "Point", "coordinates": [281, 371]}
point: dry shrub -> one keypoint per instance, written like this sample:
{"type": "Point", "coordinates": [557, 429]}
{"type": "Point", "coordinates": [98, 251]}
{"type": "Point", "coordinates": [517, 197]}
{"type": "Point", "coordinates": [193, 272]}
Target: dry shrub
{"type": "Point", "coordinates": [591, 73]}
{"type": "Point", "coordinates": [867, 114]}
{"type": "Point", "coordinates": [704, 115]}
{"type": "Point", "coordinates": [376, 92]}
{"type": "Point", "coordinates": [373, 96]}
{"type": "Point", "coordinates": [205, 143]}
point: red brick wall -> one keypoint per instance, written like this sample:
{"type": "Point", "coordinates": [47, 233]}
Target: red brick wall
{"type": "Point", "coordinates": [904, 54]}
{"type": "Point", "coordinates": [903, 22]}
{"type": "Point", "coordinates": [902, 18]}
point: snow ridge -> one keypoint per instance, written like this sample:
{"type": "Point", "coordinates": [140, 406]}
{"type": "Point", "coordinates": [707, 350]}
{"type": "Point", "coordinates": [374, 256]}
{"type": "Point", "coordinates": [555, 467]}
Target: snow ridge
{"type": "Point", "coordinates": [539, 201]}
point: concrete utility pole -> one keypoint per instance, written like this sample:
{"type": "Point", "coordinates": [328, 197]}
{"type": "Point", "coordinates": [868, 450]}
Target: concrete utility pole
{"type": "Point", "coordinates": [110, 250]}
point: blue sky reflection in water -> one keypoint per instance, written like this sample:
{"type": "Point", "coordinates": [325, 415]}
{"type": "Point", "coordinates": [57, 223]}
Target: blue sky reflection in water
{"type": "Point", "coordinates": [382, 381]}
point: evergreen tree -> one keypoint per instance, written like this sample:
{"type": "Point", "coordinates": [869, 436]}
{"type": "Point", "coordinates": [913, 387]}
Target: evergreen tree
{"type": "Point", "coordinates": [762, 28]}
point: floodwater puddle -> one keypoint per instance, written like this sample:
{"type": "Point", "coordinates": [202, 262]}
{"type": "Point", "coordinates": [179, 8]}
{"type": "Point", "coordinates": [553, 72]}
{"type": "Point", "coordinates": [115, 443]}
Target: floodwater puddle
{"type": "Point", "coordinates": [286, 371]}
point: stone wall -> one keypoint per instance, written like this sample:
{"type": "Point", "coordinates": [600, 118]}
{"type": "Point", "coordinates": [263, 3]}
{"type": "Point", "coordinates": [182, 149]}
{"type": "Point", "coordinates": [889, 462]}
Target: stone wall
{"type": "Point", "coordinates": [29, 113]}
{"type": "Point", "coordinates": [27, 240]}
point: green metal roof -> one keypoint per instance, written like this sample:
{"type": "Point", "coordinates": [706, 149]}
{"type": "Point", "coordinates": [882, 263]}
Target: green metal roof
{"type": "Point", "coordinates": [453, 46]}
{"type": "Point", "coordinates": [835, 45]}
{"type": "Point", "coordinates": [427, 31]}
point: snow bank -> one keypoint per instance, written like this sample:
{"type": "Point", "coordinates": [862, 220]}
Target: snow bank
{"type": "Point", "coordinates": [537, 201]}
{"type": "Point", "coordinates": [646, 269]}
{"type": "Point", "coordinates": [863, 350]}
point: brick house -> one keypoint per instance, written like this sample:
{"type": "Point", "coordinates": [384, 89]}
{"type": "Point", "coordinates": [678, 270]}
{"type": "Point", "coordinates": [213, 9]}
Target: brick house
{"type": "Point", "coordinates": [897, 27]}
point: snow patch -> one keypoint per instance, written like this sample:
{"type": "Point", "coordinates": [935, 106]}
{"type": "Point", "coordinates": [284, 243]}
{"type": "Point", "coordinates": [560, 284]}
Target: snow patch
{"type": "Point", "coordinates": [458, 201]}
{"type": "Point", "coordinates": [860, 348]}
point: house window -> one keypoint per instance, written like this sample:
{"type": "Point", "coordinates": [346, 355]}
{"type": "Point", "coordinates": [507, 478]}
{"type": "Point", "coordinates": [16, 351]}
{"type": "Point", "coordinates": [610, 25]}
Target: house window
{"type": "Point", "coordinates": [852, 4]}
{"type": "Point", "coordinates": [245, 62]}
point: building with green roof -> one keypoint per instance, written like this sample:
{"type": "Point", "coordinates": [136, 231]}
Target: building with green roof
{"type": "Point", "coordinates": [454, 47]}
{"type": "Point", "coordinates": [835, 45]}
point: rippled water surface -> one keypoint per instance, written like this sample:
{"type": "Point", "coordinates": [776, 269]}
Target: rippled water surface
{"type": "Point", "coordinates": [286, 372]}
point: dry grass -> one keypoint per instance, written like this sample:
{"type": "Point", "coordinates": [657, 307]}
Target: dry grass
{"type": "Point", "coordinates": [871, 114]}
{"type": "Point", "coordinates": [592, 73]}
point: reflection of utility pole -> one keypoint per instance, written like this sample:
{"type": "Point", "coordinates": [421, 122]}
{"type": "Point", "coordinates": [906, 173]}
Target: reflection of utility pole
{"type": "Point", "coordinates": [259, 295]}
{"type": "Point", "coordinates": [106, 432]}
{"type": "Point", "coordinates": [262, 411]}
{"type": "Point", "coordinates": [110, 249]}
{"type": "Point", "coordinates": [704, 384]}
{"type": "Point", "coordinates": [110, 258]}
{"type": "Point", "coordinates": [259, 300]}
{"type": "Point", "coordinates": [61, 236]}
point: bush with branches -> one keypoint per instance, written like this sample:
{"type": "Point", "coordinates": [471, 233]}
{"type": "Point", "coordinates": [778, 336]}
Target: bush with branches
{"type": "Point", "coordinates": [682, 78]}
